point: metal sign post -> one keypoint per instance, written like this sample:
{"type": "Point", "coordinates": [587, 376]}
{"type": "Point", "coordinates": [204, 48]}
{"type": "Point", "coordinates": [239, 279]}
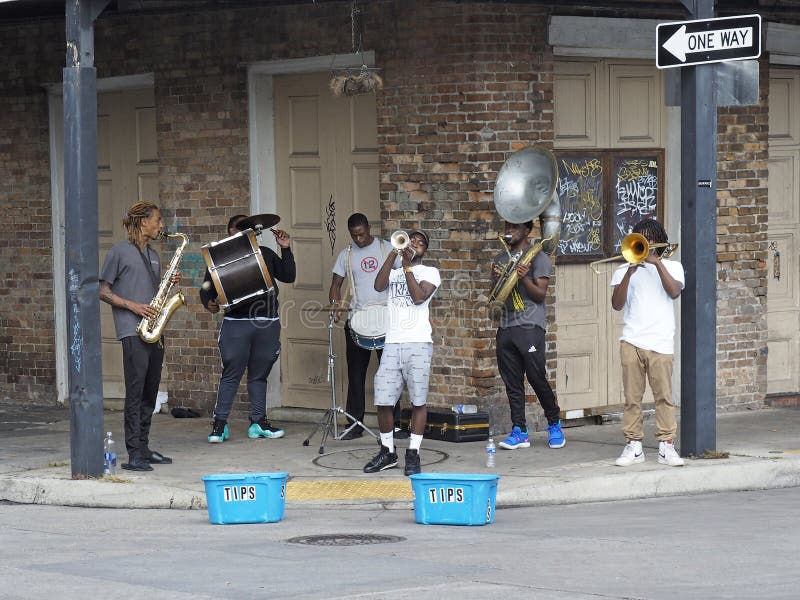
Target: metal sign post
{"type": "Point", "coordinates": [80, 197]}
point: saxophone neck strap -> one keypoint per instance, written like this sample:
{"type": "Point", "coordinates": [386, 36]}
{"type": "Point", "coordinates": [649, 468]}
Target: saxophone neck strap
{"type": "Point", "coordinates": [148, 265]}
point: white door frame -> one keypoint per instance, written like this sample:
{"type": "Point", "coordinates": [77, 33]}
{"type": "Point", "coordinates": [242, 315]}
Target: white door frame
{"type": "Point", "coordinates": [261, 115]}
{"type": "Point", "coordinates": [56, 129]}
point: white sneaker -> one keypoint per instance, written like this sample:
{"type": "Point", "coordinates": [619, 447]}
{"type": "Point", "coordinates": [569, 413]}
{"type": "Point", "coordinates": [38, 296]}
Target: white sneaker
{"type": "Point", "coordinates": [631, 454]}
{"type": "Point", "coordinates": [667, 455]}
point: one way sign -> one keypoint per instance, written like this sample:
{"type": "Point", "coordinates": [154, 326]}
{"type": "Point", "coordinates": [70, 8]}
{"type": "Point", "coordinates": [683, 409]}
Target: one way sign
{"type": "Point", "coordinates": [686, 43]}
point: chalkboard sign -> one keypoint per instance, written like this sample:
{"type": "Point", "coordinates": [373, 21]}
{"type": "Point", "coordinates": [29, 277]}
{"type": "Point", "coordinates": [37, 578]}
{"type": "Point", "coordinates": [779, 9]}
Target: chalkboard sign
{"type": "Point", "coordinates": [603, 194]}
{"type": "Point", "coordinates": [580, 192]}
{"type": "Point", "coordinates": [636, 187]}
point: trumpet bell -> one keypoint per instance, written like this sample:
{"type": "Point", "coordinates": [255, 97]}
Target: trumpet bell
{"type": "Point", "coordinates": [399, 240]}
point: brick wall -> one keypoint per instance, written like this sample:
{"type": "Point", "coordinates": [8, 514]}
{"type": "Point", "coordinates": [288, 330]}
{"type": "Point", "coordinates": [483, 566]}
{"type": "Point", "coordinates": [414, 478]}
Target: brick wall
{"type": "Point", "coordinates": [27, 338]}
{"type": "Point", "coordinates": [464, 88]}
{"type": "Point", "coordinates": [742, 153]}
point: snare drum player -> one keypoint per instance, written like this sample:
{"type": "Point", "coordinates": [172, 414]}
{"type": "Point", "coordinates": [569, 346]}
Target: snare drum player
{"type": "Point", "coordinates": [249, 338]}
{"type": "Point", "coordinates": [358, 264]}
{"type": "Point", "coordinates": [408, 350]}
{"type": "Point", "coordinates": [129, 280]}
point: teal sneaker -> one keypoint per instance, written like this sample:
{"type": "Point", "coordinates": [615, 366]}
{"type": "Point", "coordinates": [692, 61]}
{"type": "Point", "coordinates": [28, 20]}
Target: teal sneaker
{"type": "Point", "coordinates": [516, 439]}
{"type": "Point", "coordinates": [263, 428]}
{"type": "Point", "coordinates": [556, 436]}
{"type": "Point", "coordinates": [219, 433]}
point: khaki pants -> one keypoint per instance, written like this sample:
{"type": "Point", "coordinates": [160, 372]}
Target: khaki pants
{"type": "Point", "coordinates": [636, 364]}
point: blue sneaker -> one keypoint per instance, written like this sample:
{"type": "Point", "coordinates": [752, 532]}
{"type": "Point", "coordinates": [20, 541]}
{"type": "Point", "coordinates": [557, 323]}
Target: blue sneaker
{"type": "Point", "coordinates": [556, 439]}
{"type": "Point", "coordinates": [219, 433]}
{"type": "Point", "coordinates": [516, 439]}
{"type": "Point", "coordinates": [263, 428]}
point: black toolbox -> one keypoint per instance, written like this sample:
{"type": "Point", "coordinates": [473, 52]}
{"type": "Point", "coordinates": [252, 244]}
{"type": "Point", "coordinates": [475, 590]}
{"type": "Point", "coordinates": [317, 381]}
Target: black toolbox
{"type": "Point", "coordinates": [448, 426]}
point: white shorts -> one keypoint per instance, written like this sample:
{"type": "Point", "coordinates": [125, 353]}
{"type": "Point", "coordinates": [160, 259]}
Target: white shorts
{"type": "Point", "coordinates": [409, 363]}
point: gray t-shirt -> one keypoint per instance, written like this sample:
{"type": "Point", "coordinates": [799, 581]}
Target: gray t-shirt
{"type": "Point", "coordinates": [130, 278]}
{"type": "Point", "coordinates": [365, 264]}
{"type": "Point", "coordinates": [519, 309]}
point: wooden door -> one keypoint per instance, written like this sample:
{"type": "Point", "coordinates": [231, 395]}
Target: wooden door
{"type": "Point", "coordinates": [127, 171]}
{"type": "Point", "coordinates": [326, 169]}
{"type": "Point", "coordinates": [783, 262]}
{"type": "Point", "coordinates": [609, 104]}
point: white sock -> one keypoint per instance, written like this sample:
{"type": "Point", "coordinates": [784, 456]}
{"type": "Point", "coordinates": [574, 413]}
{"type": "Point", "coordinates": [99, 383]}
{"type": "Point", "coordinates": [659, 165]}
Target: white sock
{"type": "Point", "coordinates": [414, 442]}
{"type": "Point", "coordinates": [387, 439]}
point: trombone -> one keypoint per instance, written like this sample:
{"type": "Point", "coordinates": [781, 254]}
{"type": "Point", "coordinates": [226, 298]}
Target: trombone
{"type": "Point", "coordinates": [635, 248]}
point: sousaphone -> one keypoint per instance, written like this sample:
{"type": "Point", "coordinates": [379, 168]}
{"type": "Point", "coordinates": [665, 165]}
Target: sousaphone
{"type": "Point", "coordinates": [526, 189]}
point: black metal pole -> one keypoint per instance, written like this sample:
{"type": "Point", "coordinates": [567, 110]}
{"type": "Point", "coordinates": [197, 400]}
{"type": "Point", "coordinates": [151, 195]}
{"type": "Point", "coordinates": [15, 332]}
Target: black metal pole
{"type": "Point", "coordinates": [80, 200]}
{"type": "Point", "coordinates": [699, 251]}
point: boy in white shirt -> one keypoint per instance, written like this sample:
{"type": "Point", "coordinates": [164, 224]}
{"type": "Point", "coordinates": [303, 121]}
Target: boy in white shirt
{"type": "Point", "coordinates": [408, 350]}
{"type": "Point", "coordinates": [646, 292]}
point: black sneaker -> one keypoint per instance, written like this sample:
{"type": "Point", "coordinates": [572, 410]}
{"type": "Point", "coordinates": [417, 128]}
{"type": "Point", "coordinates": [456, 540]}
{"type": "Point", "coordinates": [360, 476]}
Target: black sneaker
{"type": "Point", "coordinates": [382, 461]}
{"type": "Point", "coordinates": [412, 462]}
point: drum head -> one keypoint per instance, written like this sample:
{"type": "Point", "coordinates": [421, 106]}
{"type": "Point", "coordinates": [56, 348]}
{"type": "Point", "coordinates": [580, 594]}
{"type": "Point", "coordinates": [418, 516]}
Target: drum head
{"type": "Point", "coordinates": [370, 321]}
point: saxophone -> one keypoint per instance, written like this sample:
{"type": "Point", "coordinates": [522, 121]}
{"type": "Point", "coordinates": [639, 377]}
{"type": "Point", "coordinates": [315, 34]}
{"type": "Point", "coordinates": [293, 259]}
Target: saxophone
{"type": "Point", "coordinates": [150, 330]}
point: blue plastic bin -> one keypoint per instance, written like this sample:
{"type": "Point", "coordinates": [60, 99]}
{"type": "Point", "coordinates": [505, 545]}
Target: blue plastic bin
{"type": "Point", "coordinates": [454, 498]}
{"type": "Point", "coordinates": [245, 497]}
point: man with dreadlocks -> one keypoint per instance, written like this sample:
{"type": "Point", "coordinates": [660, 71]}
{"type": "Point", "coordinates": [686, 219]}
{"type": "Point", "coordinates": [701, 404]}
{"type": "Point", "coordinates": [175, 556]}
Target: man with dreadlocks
{"type": "Point", "coordinates": [129, 280]}
{"type": "Point", "coordinates": [646, 292]}
{"type": "Point", "coordinates": [520, 339]}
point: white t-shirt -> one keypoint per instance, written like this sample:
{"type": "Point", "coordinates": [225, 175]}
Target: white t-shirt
{"type": "Point", "coordinates": [364, 264]}
{"type": "Point", "coordinates": [649, 314]}
{"type": "Point", "coordinates": [409, 322]}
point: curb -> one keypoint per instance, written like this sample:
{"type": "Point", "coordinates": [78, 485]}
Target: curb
{"type": "Point", "coordinates": [695, 478]}
{"type": "Point", "coordinates": [97, 494]}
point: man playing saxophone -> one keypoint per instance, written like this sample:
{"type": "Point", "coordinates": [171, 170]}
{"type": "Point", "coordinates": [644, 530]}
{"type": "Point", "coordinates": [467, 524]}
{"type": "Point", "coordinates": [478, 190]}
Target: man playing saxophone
{"type": "Point", "coordinates": [129, 280]}
{"type": "Point", "coordinates": [521, 335]}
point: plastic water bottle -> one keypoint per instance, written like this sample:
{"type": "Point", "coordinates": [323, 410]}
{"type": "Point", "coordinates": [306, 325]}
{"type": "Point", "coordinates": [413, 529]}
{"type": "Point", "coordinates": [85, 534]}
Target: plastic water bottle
{"type": "Point", "coordinates": [109, 456]}
{"type": "Point", "coordinates": [464, 409]}
{"type": "Point", "coordinates": [491, 450]}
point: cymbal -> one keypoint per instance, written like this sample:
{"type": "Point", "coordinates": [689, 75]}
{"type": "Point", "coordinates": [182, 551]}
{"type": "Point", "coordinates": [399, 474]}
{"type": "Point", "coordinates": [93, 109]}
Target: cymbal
{"type": "Point", "coordinates": [264, 221]}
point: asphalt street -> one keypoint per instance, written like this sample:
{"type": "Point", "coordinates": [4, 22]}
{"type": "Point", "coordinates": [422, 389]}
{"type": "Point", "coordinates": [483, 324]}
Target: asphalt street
{"type": "Point", "coordinates": [739, 545]}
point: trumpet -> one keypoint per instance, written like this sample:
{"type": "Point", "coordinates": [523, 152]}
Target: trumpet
{"type": "Point", "coordinates": [634, 249]}
{"type": "Point", "coordinates": [400, 240]}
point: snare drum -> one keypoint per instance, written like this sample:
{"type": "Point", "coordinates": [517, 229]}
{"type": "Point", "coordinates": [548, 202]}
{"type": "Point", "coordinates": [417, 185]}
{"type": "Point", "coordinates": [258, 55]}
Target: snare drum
{"type": "Point", "coordinates": [368, 326]}
{"type": "Point", "coordinates": [237, 269]}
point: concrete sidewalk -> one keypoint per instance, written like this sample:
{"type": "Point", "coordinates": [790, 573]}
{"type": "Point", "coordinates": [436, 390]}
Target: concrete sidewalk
{"type": "Point", "coordinates": [763, 447]}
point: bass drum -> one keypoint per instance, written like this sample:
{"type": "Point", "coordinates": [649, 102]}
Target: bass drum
{"type": "Point", "coordinates": [237, 269]}
{"type": "Point", "coordinates": [368, 326]}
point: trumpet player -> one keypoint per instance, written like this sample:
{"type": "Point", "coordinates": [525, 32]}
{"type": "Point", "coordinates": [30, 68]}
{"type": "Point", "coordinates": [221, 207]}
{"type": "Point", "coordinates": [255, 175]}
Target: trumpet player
{"type": "Point", "coordinates": [408, 350]}
{"type": "Point", "coordinates": [129, 280]}
{"type": "Point", "coordinates": [520, 338]}
{"type": "Point", "coordinates": [646, 291]}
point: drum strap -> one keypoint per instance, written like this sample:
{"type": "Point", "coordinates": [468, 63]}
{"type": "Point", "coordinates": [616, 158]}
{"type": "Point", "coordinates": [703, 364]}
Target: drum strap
{"type": "Point", "coordinates": [351, 285]}
{"type": "Point", "coordinates": [350, 269]}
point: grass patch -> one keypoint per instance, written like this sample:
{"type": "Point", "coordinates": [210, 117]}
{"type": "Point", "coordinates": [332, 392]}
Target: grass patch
{"type": "Point", "coordinates": [109, 478]}
{"type": "Point", "coordinates": [53, 465]}
{"type": "Point", "coordinates": [714, 454]}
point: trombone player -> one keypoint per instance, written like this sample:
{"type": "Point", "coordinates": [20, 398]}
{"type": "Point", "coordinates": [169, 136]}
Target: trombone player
{"type": "Point", "coordinates": [520, 343]}
{"type": "Point", "coordinates": [646, 288]}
